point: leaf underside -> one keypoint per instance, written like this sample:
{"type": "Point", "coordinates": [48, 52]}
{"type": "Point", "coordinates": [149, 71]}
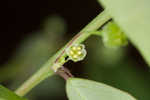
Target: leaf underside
{"type": "Point", "coordinates": [133, 16]}
{"type": "Point", "coordinates": [81, 89]}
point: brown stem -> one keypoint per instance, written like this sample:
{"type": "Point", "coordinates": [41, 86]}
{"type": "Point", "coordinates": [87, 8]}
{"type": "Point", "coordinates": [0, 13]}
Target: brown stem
{"type": "Point", "coordinates": [64, 73]}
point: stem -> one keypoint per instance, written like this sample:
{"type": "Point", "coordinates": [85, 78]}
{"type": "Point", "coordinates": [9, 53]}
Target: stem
{"type": "Point", "coordinates": [97, 33]}
{"type": "Point", "coordinates": [64, 73]}
{"type": "Point", "coordinates": [47, 70]}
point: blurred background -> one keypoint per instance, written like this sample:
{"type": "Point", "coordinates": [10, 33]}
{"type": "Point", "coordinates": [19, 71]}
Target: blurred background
{"type": "Point", "coordinates": [32, 31]}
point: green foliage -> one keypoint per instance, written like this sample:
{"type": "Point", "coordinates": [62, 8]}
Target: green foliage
{"type": "Point", "coordinates": [112, 36]}
{"type": "Point", "coordinates": [133, 16]}
{"type": "Point", "coordinates": [6, 94]}
{"type": "Point", "coordinates": [81, 89]}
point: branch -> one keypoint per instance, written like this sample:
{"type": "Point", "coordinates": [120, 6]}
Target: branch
{"type": "Point", "coordinates": [58, 59]}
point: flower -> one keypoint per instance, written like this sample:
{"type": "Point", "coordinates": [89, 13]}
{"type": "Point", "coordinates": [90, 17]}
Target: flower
{"type": "Point", "coordinates": [76, 52]}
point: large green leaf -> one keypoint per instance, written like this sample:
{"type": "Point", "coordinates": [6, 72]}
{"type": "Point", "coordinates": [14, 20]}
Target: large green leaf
{"type": "Point", "coordinates": [81, 89]}
{"type": "Point", "coordinates": [133, 16]}
{"type": "Point", "coordinates": [6, 94]}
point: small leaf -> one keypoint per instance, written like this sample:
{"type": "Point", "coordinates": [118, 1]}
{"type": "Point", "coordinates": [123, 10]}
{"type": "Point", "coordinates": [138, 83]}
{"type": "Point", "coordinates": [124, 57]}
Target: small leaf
{"type": "Point", "coordinates": [81, 89]}
{"type": "Point", "coordinates": [113, 36]}
{"type": "Point", "coordinates": [6, 94]}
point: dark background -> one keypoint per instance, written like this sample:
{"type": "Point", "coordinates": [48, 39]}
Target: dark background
{"type": "Point", "coordinates": [21, 18]}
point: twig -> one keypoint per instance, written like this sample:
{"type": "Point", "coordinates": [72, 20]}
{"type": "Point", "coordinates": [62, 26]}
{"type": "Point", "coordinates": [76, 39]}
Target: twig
{"type": "Point", "coordinates": [46, 70]}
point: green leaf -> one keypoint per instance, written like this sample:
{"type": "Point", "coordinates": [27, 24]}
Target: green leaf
{"type": "Point", "coordinates": [133, 16]}
{"type": "Point", "coordinates": [81, 89]}
{"type": "Point", "coordinates": [6, 94]}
